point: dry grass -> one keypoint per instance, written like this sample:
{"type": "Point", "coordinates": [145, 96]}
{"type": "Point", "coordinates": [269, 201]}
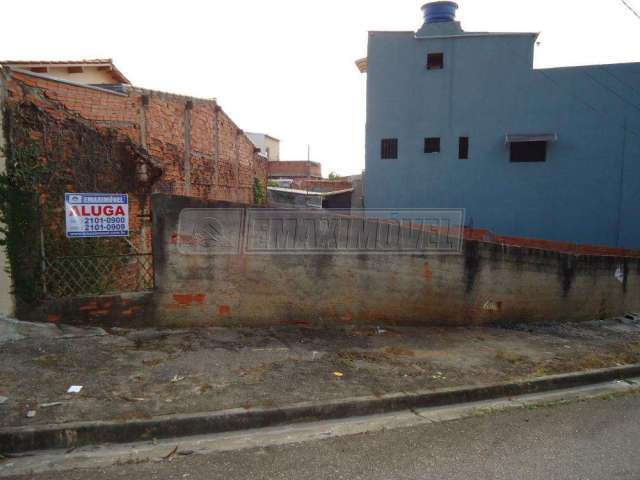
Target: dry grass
{"type": "Point", "coordinates": [355, 355]}
{"type": "Point", "coordinates": [400, 352]}
{"type": "Point", "coordinates": [51, 361]}
{"type": "Point", "coordinates": [512, 358]}
{"type": "Point", "coordinates": [623, 354]}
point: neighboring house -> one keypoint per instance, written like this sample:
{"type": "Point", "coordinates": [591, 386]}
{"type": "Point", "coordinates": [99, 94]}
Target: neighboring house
{"type": "Point", "coordinates": [97, 72]}
{"type": "Point", "coordinates": [294, 169]}
{"type": "Point", "coordinates": [462, 119]}
{"type": "Point", "coordinates": [269, 146]}
{"type": "Point", "coordinates": [292, 198]}
{"type": "Point", "coordinates": [338, 199]}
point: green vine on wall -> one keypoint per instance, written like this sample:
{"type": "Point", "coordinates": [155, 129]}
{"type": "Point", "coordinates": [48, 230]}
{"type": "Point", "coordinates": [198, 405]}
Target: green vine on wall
{"type": "Point", "coordinates": [20, 217]}
{"type": "Point", "coordinates": [46, 157]}
{"type": "Point", "coordinates": [259, 196]}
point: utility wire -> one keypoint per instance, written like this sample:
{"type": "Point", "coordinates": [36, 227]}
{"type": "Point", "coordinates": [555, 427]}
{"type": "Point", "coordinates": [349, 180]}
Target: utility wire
{"type": "Point", "coordinates": [626, 4]}
{"type": "Point", "coordinates": [620, 80]}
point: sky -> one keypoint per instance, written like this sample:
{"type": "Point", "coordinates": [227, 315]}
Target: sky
{"type": "Point", "coordinates": [286, 67]}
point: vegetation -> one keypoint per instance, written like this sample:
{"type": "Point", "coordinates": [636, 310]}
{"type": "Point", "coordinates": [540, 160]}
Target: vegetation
{"type": "Point", "coordinates": [259, 195]}
{"type": "Point", "coordinates": [46, 157]}
{"type": "Point", "coordinates": [19, 214]}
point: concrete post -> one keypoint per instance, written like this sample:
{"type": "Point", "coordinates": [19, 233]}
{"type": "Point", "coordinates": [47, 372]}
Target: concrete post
{"type": "Point", "coordinates": [216, 161]}
{"type": "Point", "coordinates": [7, 300]}
{"type": "Point", "coordinates": [187, 147]}
{"type": "Point", "coordinates": [144, 246]}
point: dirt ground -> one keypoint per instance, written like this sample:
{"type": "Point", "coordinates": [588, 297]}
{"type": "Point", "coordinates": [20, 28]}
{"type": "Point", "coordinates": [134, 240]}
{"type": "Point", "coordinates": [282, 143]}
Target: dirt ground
{"type": "Point", "coordinates": [130, 374]}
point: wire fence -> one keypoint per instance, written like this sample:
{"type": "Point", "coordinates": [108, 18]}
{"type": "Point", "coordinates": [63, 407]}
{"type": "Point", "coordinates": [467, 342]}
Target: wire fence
{"type": "Point", "coordinates": [98, 275]}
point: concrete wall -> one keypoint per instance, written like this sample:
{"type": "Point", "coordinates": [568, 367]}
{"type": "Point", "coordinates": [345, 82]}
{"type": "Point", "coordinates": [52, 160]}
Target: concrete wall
{"type": "Point", "coordinates": [487, 283]}
{"type": "Point", "coordinates": [587, 191]}
{"type": "Point", "coordinates": [357, 197]}
{"type": "Point", "coordinates": [7, 303]}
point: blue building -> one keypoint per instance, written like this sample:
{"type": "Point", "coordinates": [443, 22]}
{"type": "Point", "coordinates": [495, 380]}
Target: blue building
{"type": "Point", "coordinates": [462, 119]}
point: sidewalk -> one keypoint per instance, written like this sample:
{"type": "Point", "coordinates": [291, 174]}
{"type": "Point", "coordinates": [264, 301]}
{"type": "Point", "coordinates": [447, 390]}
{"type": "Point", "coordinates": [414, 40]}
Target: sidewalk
{"type": "Point", "coordinates": [132, 375]}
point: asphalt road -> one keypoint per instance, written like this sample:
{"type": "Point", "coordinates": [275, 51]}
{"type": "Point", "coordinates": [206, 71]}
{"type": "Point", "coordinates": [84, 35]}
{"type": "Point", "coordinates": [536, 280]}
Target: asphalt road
{"type": "Point", "coordinates": [596, 439]}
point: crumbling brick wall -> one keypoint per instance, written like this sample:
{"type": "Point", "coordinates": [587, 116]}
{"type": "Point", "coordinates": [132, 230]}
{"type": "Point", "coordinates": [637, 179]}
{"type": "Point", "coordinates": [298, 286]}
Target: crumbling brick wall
{"type": "Point", "coordinates": [138, 142]}
{"type": "Point", "coordinates": [200, 151]}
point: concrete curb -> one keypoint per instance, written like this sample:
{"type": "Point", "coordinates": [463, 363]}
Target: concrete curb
{"type": "Point", "coordinates": [62, 436]}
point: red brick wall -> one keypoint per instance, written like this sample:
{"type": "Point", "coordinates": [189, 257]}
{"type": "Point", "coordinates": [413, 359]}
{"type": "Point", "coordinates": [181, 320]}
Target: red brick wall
{"type": "Point", "coordinates": [223, 161]}
{"type": "Point", "coordinates": [293, 169]}
{"type": "Point", "coordinates": [220, 164]}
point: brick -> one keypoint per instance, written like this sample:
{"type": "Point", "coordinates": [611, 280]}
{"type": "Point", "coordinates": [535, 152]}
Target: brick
{"type": "Point", "coordinates": [223, 161]}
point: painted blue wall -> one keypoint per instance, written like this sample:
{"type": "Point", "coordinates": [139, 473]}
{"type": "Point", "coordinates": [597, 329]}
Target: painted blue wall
{"type": "Point", "coordinates": [588, 190]}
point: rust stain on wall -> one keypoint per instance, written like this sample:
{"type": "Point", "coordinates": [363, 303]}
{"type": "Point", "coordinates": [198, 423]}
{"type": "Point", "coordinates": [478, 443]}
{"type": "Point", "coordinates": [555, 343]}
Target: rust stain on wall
{"type": "Point", "coordinates": [428, 274]}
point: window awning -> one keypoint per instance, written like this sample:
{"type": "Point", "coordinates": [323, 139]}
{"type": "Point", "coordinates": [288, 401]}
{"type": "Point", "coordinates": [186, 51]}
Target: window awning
{"type": "Point", "coordinates": [534, 137]}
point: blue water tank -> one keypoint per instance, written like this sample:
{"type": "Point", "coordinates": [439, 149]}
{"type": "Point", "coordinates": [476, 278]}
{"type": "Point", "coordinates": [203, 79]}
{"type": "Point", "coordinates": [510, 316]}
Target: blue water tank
{"type": "Point", "coordinates": [437, 12]}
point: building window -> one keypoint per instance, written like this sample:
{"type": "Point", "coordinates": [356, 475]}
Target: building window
{"type": "Point", "coordinates": [389, 148]}
{"type": "Point", "coordinates": [463, 148]}
{"type": "Point", "coordinates": [435, 61]}
{"type": "Point", "coordinates": [529, 151]}
{"type": "Point", "coordinates": [432, 145]}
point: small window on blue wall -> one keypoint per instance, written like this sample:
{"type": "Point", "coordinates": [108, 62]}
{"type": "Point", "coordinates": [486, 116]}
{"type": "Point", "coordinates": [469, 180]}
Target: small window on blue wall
{"type": "Point", "coordinates": [529, 151]}
{"type": "Point", "coordinates": [432, 145]}
{"type": "Point", "coordinates": [463, 148]}
{"type": "Point", "coordinates": [389, 149]}
{"type": "Point", "coordinates": [435, 61]}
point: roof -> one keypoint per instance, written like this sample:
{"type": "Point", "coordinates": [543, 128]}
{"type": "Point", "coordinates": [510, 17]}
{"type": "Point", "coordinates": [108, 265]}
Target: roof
{"type": "Point", "coordinates": [478, 34]}
{"type": "Point", "coordinates": [293, 190]}
{"type": "Point", "coordinates": [94, 61]}
{"type": "Point", "coordinates": [263, 134]}
{"type": "Point", "coordinates": [309, 192]}
{"type": "Point", "coordinates": [362, 64]}
{"type": "Point", "coordinates": [106, 63]}
{"type": "Point", "coordinates": [337, 192]}
{"type": "Point", "coordinates": [62, 80]}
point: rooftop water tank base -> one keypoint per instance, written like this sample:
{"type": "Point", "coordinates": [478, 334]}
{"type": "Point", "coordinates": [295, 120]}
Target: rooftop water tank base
{"type": "Point", "coordinates": [439, 12]}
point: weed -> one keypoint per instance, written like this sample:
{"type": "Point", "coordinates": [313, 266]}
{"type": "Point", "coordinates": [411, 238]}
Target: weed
{"type": "Point", "coordinates": [510, 357]}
